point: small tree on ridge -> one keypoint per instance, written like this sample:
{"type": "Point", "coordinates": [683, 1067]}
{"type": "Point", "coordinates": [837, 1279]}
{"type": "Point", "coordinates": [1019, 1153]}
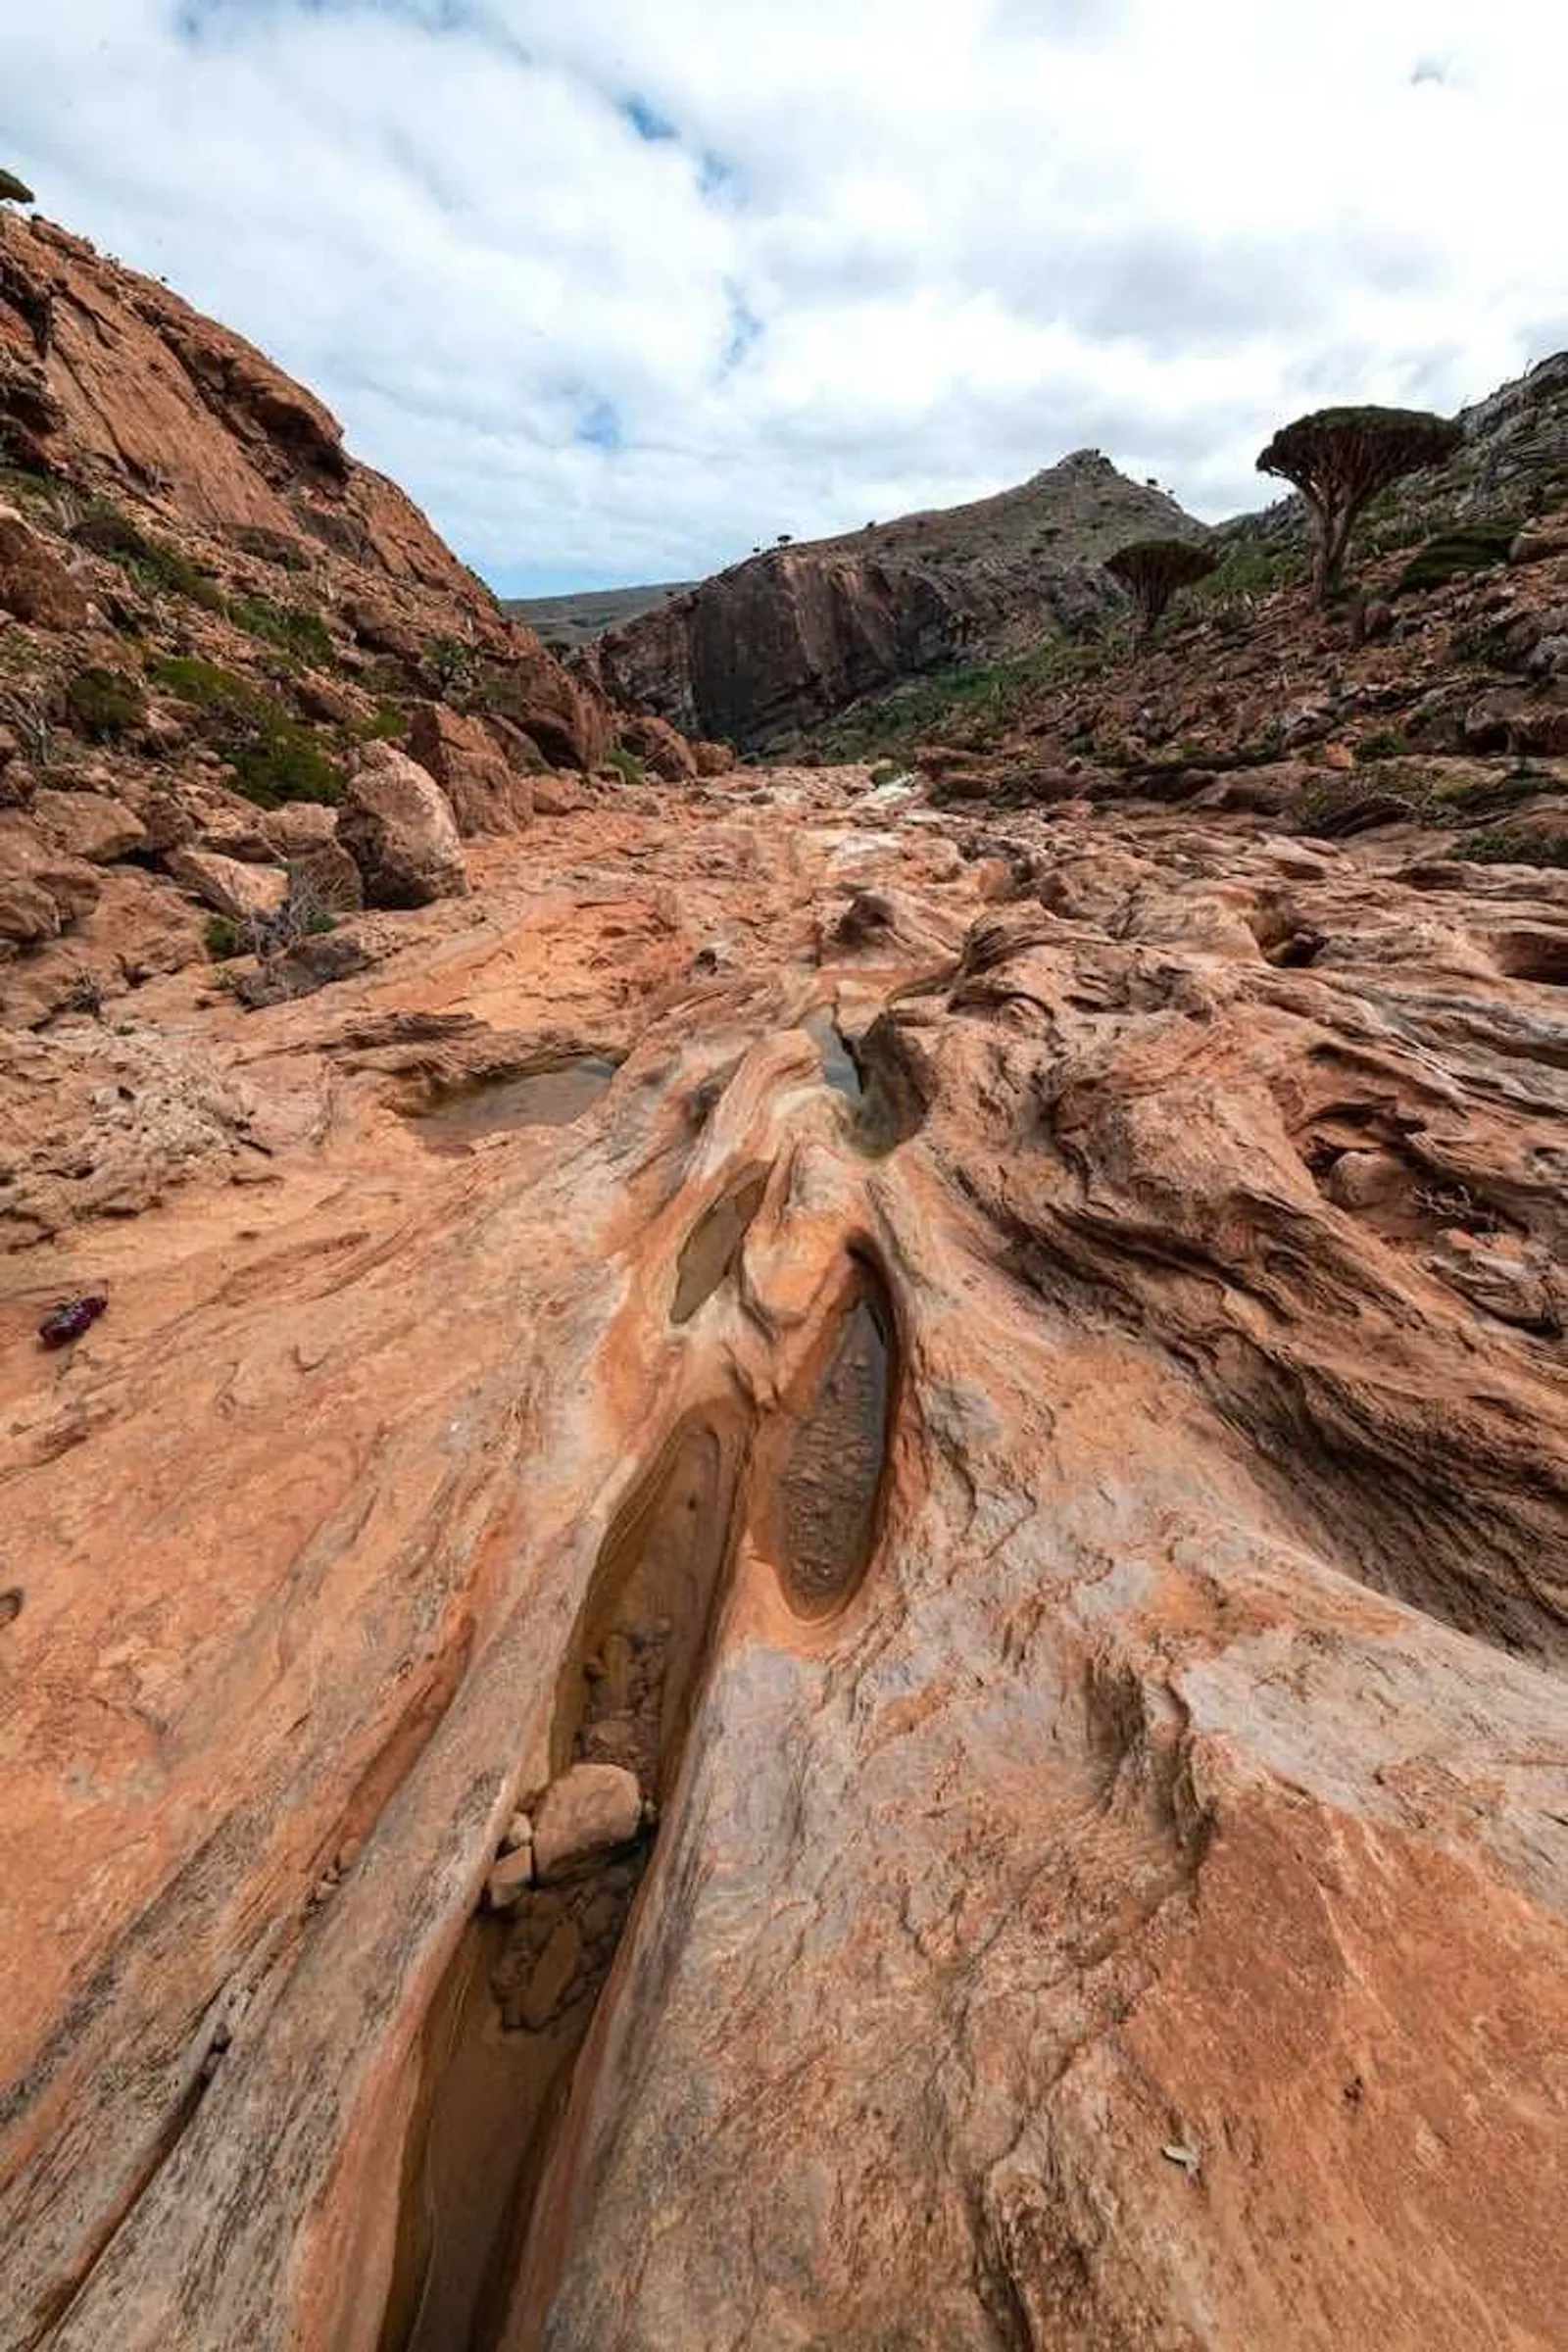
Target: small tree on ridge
{"type": "Point", "coordinates": [1152, 569]}
{"type": "Point", "coordinates": [1341, 458]}
{"type": "Point", "coordinates": [14, 190]}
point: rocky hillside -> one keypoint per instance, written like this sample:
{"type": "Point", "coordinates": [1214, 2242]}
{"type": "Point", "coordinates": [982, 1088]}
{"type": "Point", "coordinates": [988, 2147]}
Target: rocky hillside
{"type": "Point", "coordinates": [243, 685]}
{"type": "Point", "coordinates": [1512, 464]}
{"type": "Point", "coordinates": [774, 645]}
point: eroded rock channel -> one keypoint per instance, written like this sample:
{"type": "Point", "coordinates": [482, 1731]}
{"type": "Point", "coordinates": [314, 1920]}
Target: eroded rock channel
{"type": "Point", "coordinates": [835, 1465]}
{"type": "Point", "coordinates": [507, 2028]}
{"type": "Point", "coordinates": [1040, 1802]}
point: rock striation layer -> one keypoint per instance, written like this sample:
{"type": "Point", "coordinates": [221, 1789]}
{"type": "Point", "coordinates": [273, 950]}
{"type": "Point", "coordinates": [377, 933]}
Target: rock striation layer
{"type": "Point", "coordinates": [1079, 1589]}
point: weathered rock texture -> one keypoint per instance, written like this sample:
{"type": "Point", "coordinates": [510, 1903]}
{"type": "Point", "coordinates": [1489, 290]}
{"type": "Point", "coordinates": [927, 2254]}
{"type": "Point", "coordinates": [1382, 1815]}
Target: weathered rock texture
{"type": "Point", "coordinates": [808, 1585]}
{"type": "Point", "coordinates": [777, 643]}
{"type": "Point", "coordinates": [1078, 1566]}
{"type": "Point", "coordinates": [207, 608]}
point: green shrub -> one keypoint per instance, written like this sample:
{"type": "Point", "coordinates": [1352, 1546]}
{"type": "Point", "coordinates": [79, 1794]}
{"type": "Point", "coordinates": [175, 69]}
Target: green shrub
{"type": "Point", "coordinates": [1384, 742]}
{"type": "Point", "coordinates": [272, 547]}
{"type": "Point", "coordinates": [1246, 573]}
{"type": "Point", "coordinates": [151, 563]}
{"type": "Point", "coordinates": [387, 724]}
{"type": "Point", "coordinates": [205, 683]}
{"type": "Point", "coordinates": [630, 768]}
{"type": "Point", "coordinates": [1453, 554]}
{"type": "Point", "coordinates": [1503, 848]}
{"type": "Point", "coordinates": [968, 703]}
{"type": "Point", "coordinates": [1341, 804]}
{"type": "Point", "coordinates": [284, 762]}
{"type": "Point", "coordinates": [17, 483]}
{"type": "Point", "coordinates": [273, 756]}
{"type": "Point", "coordinates": [886, 771]}
{"type": "Point", "coordinates": [293, 628]}
{"type": "Point", "coordinates": [454, 665]}
{"type": "Point", "coordinates": [222, 937]}
{"type": "Point", "coordinates": [104, 704]}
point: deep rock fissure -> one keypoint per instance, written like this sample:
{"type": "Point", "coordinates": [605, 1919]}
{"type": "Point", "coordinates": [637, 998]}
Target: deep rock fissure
{"type": "Point", "coordinates": [712, 1250]}
{"type": "Point", "coordinates": [508, 2025]}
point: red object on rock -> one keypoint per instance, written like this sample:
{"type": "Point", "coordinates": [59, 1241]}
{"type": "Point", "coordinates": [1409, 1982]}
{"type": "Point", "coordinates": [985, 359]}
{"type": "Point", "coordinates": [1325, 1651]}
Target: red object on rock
{"type": "Point", "coordinates": [68, 1322]}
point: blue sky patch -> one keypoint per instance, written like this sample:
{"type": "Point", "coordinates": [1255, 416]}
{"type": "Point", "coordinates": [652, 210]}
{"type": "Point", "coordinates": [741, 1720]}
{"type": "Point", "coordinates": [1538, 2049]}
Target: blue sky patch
{"type": "Point", "coordinates": [647, 122]}
{"type": "Point", "coordinates": [599, 426]}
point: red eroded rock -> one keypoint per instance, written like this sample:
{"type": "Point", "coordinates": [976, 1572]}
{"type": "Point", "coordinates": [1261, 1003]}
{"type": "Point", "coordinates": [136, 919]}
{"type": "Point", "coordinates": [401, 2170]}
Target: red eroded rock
{"type": "Point", "coordinates": [35, 585]}
{"type": "Point", "coordinates": [487, 794]}
{"type": "Point", "coordinates": [664, 754]}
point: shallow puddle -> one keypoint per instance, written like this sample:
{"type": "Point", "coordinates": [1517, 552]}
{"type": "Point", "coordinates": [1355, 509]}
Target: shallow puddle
{"type": "Point", "coordinates": [885, 1115]}
{"type": "Point", "coordinates": [713, 1247]}
{"type": "Point", "coordinates": [541, 1099]}
{"type": "Point", "coordinates": [832, 1480]}
{"type": "Point", "coordinates": [839, 1070]}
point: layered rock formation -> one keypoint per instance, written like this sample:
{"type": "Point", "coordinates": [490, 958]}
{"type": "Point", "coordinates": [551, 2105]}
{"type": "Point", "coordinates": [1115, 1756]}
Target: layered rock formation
{"type": "Point", "coordinates": [1058, 1504]}
{"type": "Point", "coordinates": [774, 645]}
{"type": "Point", "coordinates": [802, 1582]}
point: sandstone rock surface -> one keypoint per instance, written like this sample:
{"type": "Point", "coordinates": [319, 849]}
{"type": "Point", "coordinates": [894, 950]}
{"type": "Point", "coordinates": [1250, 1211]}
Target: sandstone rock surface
{"type": "Point", "coordinates": [590, 1810]}
{"type": "Point", "coordinates": [35, 585]}
{"type": "Point", "coordinates": [87, 824]}
{"type": "Point", "coordinates": [1081, 1573]}
{"type": "Point", "coordinates": [487, 794]}
{"type": "Point", "coordinates": [398, 827]}
{"type": "Point", "coordinates": [230, 887]}
{"type": "Point", "coordinates": [985, 1377]}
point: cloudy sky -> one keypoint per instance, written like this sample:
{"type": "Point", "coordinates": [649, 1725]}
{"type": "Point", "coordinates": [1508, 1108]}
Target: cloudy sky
{"type": "Point", "coordinates": [617, 287]}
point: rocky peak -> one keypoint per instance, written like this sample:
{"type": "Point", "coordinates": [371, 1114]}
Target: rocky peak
{"type": "Point", "coordinates": [782, 641]}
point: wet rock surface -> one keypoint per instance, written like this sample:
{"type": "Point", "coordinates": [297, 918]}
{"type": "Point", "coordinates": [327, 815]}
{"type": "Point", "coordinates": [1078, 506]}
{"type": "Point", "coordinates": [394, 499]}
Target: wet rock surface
{"type": "Point", "coordinates": [1129, 1721]}
{"type": "Point", "coordinates": [833, 1475]}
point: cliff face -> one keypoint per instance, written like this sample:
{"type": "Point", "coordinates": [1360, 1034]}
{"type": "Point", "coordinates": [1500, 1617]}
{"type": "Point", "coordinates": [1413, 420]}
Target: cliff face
{"type": "Point", "coordinates": [784, 640]}
{"type": "Point", "coordinates": [212, 619]}
{"type": "Point", "coordinates": [107, 377]}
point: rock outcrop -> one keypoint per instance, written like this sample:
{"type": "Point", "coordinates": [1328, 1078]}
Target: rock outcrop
{"type": "Point", "coordinates": [398, 827]}
{"type": "Point", "coordinates": [1023, 1411]}
{"type": "Point", "coordinates": [210, 609]}
{"type": "Point", "coordinates": [487, 792]}
{"type": "Point", "coordinates": [774, 645]}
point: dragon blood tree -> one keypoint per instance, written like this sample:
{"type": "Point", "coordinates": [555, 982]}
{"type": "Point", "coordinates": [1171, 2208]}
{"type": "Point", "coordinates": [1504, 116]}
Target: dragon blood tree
{"type": "Point", "coordinates": [1152, 569]}
{"type": "Point", "coordinates": [1341, 458]}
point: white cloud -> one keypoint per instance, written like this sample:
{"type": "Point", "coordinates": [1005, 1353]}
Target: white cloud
{"type": "Point", "coordinates": [617, 290]}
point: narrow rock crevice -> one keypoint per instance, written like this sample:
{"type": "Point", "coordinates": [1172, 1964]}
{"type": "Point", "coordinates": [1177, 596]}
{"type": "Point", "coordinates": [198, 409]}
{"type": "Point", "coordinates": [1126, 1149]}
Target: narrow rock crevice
{"type": "Point", "coordinates": [506, 2029]}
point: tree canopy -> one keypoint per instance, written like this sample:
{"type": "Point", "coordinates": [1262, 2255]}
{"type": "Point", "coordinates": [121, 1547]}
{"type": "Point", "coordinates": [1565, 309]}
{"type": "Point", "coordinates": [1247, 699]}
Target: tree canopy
{"type": "Point", "coordinates": [1152, 569]}
{"type": "Point", "coordinates": [14, 190]}
{"type": "Point", "coordinates": [1341, 458]}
